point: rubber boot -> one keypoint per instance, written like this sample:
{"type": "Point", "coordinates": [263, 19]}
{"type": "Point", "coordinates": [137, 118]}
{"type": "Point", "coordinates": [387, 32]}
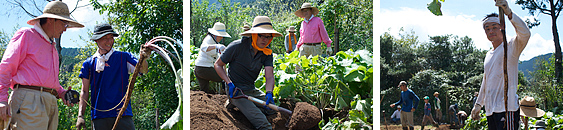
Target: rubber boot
{"type": "Point", "coordinates": [411, 127]}
{"type": "Point", "coordinates": [421, 127]}
{"type": "Point", "coordinates": [405, 128]}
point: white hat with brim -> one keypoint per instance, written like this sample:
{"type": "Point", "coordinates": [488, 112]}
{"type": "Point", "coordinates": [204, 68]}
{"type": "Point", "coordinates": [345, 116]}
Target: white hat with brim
{"type": "Point", "coordinates": [260, 25]}
{"type": "Point", "coordinates": [291, 29]}
{"type": "Point", "coordinates": [219, 30]}
{"type": "Point", "coordinates": [539, 124]}
{"type": "Point", "coordinates": [528, 108]}
{"type": "Point", "coordinates": [56, 10]}
{"type": "Point", "coordinates": [299, 12]}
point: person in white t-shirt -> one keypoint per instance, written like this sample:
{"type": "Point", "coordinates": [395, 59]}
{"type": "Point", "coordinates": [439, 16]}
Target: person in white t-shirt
{"type": "Point", "coordinates": [491, 93]}
{"type": "Point", "coordinates": [396, 117]}
{"type": "Point", "coordinates": [210, 49]}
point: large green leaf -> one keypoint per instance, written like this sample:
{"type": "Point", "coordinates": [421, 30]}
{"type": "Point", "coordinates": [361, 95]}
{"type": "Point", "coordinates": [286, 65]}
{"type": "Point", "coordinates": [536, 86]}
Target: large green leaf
{"type": "Point", "coordinates": [435, 6]}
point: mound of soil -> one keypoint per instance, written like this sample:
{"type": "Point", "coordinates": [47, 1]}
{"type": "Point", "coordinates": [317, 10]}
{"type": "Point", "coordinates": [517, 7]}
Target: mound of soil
{"type": "Point", "coordinates": [208, 113]}
{"type": "Point", "coordinates": [304, 116]}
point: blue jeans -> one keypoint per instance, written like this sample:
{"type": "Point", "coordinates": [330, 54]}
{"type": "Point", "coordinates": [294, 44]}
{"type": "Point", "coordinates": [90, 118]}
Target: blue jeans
{"type": "Point", "coordinates": [396, 120]}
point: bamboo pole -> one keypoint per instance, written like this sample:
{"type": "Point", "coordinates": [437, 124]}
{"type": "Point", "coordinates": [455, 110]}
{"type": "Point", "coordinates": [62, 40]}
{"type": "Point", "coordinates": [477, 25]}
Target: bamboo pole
{"type": "Point", "coordinates": [503, 30]}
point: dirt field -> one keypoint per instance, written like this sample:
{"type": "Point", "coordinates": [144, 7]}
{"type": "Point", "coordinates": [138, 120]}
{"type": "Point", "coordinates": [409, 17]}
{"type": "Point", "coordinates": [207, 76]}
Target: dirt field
{"type": "Point", "coordinates": [207, 113]}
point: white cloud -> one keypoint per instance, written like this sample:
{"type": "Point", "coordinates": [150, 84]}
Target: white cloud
{"type": "Point", "coordinates": [425, 24]}
{"type": "Point", "coordinates": [537, 45]}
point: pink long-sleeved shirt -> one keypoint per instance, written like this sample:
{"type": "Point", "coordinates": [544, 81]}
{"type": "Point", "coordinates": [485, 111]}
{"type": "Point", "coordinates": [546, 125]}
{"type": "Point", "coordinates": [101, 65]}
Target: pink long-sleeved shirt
{"type": "Point", "coordinates": [313, 32]}
{"type": "Point", "coordinates": [29, 59]}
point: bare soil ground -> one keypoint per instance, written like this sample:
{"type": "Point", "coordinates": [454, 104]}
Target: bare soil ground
{"type": "Point", "coordinates": [208, 113]}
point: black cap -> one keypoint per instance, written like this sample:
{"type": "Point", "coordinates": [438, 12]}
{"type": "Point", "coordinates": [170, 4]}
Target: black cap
{"type": "Point", "coordinates": [101, 30]}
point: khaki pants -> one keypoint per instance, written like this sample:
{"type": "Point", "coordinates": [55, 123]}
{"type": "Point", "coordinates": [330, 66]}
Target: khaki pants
{"type": "Point", "coordinates": [427, 119]}
{"type": "Point", "coordinates": [407, 119]}
{"type": "Point", "coordinates": [255, 113]}
{"type": "Point", "coordinates": [438, 115]}
{"type": "Point", "coordinates": [33, 110]}
{"type": "Point", "coordinates": [309, 50]}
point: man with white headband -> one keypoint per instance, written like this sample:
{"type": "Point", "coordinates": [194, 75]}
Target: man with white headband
{"type": "Point", "coordinates": [491, 94]}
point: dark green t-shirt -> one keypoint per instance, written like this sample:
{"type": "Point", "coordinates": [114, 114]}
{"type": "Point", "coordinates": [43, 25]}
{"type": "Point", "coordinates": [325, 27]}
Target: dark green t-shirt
{"type": "Point", "coordinates": [244, 66]}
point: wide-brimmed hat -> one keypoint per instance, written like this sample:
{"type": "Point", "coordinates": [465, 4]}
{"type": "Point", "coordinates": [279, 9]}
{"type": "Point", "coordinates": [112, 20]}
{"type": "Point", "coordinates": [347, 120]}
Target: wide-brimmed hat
{"type": "Point", "coordinates": [539, 124]}
{"type": "Point", "coordinates": [436, 93]}
{"type": "Point", "coordinates": [56, 10]}
{"type": "Point", "coordinates": [261, 24]}
{"type": "Point", "coordinates": [315, 10]}
{"type": "Point", "coordinates": [101, 30]}
{"type": "Point", "coordinates": [245, 28]}
{"type": "Point", "coordinates": [291, 29]}
{"type": "Point", "coordinates": [219, 30]}
{"type": "Point", "coordinates": [528, 107]}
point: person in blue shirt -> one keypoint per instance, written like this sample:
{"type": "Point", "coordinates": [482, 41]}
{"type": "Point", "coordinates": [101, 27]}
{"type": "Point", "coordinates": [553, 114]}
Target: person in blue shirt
{"type": "Point", "coordinates": [106, 76]}
{"type": "Point", "coordinates": [427, 113]}
{"type": "Point", "coordinates": [408, 103]}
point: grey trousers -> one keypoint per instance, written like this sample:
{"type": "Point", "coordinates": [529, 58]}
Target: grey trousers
{"type": "Point", "coordinates": [255, 113]}
{"type": "Point", "coordinates": [125, 123]}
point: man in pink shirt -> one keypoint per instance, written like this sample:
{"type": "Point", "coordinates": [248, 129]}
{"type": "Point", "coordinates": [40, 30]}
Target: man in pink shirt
{"type": "Point", "coordinates": [30, 67]}
{"type": "Point", "coordinates": [312, 32]}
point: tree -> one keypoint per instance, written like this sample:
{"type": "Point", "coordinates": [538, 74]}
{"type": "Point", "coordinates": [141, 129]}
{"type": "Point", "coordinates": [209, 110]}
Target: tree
{"type": "Point", "coordinates": [4, 40]}
{"type": "Point", "coordinates": [551, 8]}
{"type": "Point", "coordinates": [138, 21]}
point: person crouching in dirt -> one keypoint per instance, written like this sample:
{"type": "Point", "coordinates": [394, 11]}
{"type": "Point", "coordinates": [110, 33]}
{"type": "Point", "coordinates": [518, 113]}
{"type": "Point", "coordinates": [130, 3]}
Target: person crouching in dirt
{"type": "Point", "coordinates": [396, 117]}
{"type": "Point", "coordinates": [408, 101]}
{"type": "Point", "coordinates": [210, 49]}
{"type": "Point", "coordinates": [427, 113]}
{"type": "Point", "coordinates": [491, 93]}
{"type": "Point", "coordinates": [106, 75]}
{"type": "Point", "coordinates": [462, 116]}
{"type": "Point", "coordinates": [452, 111]}
{"type": "Point", "coordinates": [246, 58]}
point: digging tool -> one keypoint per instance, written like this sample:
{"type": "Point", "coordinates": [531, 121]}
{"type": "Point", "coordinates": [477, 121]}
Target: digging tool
{"type": "Point", "coordinates": [503, 30]}
{"type": "Point", "coordinates": [256, 100]}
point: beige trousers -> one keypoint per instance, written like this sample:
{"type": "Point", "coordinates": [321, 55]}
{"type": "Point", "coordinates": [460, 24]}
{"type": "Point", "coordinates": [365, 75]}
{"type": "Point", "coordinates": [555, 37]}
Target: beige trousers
{"type": "Point", "coordinates": [308, 50]}
{"type": "Point", "coordinates": [407, 119]}
{"type": "Point", "coordinates": [33, 110]}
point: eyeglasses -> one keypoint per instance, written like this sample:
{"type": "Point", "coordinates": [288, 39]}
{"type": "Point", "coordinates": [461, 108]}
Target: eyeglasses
{"type": "Point", "coordinates": [265, 36]}
{"type": "Point", "coordinates": [65, 23]}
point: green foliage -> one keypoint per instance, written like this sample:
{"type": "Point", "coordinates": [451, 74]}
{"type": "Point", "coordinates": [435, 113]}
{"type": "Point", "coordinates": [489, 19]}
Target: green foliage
{"type": "Point", "coordinates": [4, 40]}
{"type": "Point", "coordinates": [435, 7]}
{"type": "Point", "coordinates": [355, 28]}
{"type": "Point", "coordinates": [543, 86]}
{"type": "Point", "coordinates": [480, 124]}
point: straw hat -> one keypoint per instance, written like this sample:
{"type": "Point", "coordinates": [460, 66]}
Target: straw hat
{"type": "Point", "coordinates": [245, 28]}
{"type": "Point", "coordinates": [219, 30]}
{"type": "Point", "coordinates": [291, 29]}
{"type": "Point", "coordinates": [101, 30]}
{"type": "Point", "coordinates": [436, 93]}
{"type": "Point", "coordinates": [528, 107]}
{"type": "Point", "coordinates": [306, 6]}
{"type": "Point", "coordinates": [261, 24]}
{"type": "Point", "coordinates": [56, 10]}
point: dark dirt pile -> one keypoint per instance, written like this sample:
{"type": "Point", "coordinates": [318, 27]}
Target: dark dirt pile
{"type": "Point", "coordinates": [208, 113]}
{"type": "Point", "coordinates": [304, 116]}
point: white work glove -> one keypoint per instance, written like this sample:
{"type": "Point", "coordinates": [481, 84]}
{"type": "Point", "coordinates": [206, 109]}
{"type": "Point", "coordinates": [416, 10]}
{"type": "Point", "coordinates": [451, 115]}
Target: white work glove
{"type": "Point", "coordinates": [220, 48]}
{"type": "Point", "coordinates": [504, 5]}
{"type": "Point", "coordinates": [329, 50]}
{"type": "Point", "coordinates": [475, 112]}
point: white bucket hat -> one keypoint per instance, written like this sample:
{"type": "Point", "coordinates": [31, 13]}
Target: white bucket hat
{"type": "Point", "coordinates": [261, 24]}
{"type": "Point", "coordinates": [56, 10]}
{"type": "Point", "coordinates": [291, 29]}
{"type": "Point", "coordinates": [315, 10]}
{"type": "Point", "coordinates": [219, 30]}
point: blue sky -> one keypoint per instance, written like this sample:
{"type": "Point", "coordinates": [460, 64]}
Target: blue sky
{"type": "Point", "coordinates": [14, 17]}
{"type": "Point", "coordinates": [462, 18]}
